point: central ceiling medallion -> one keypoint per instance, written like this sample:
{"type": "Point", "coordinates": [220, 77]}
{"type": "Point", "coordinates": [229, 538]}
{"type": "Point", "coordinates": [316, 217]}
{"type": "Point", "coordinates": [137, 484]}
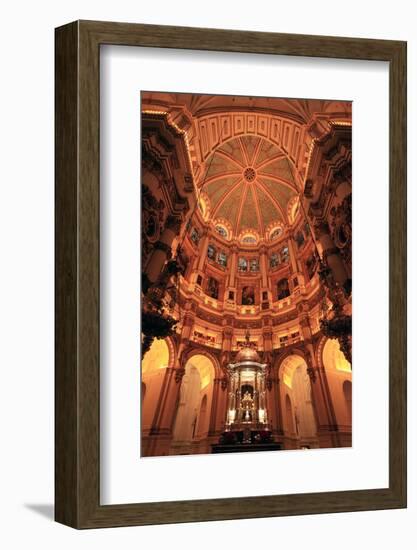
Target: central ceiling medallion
{"type": "Point", "coordinates": [249, 174]}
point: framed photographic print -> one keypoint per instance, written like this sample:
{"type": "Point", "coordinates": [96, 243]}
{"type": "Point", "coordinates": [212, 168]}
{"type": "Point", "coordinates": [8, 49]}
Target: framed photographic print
{"type": "Point", "coordinates": [230, 274]}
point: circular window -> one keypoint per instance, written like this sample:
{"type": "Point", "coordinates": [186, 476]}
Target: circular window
{"type": "Point", "coordinates": [249, 174]}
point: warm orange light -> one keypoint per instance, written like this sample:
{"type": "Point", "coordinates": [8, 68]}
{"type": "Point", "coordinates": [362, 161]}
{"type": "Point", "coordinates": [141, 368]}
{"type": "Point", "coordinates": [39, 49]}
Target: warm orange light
{"type": "Point", "coordinates": [156, 358]}
{"type": "Point", "coordinates": [333, 357]}
{"type": "Point", "coordinates": [204, 367]}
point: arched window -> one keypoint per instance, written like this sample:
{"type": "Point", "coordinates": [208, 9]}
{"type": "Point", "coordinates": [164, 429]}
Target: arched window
{"type": "Point", "coordinates": [194, 236]}
{"type": "Point", "coordinates": [285, 254]}
{"type": "Point", "coordinates": [254, 264]}
{"type": "Point", "coordinates": [211, 252]}
{"type": "Point", "coordinates": [242, 264]}
{"type": "Point", "coordinates": [222, 231]}
{"type": "Point", "coordinates": [274, 260]}
{"type": "Point", "coordinates": [222, 259]}
{"type": "Point", "coordinates": [249, 239]}
{"type": "Point", "coordinates": [275, 233]}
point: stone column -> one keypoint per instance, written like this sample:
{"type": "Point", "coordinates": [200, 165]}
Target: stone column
{"type": "Point", "coordinates": [263, 265]}
{"type": "Point", "coordinates": [187, 328]}
{"type": "Point", "coordinates": [233, 266]}
{"type": "Point", "coordinates": [267, 338]}
{"type": "Point", "coordinates": [227, 338]}
{"type": "Point", "coordinates": [215, 406]}
{"type": "Point", "coordinates": [160, 434]}
{"type": "Point", "coordinates": [273, 403]}
{"type": "Point", "coordinates": [327, 428]}
{"type": "Point", "coordinates": [295, 265]}
{"type": "Point", "coordinates": [331, 255]}
{"type": "Point", "coordinates": [162, 249]}
{"type": "Point", "coordinates": [203, 247]}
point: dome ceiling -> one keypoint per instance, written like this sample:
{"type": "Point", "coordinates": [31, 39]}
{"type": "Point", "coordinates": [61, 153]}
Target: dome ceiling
{"type": "Point", "coordinates": [249, 183]}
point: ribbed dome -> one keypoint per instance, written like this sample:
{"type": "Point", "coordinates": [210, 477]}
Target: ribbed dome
{"type": "Point", "coordinates": [247, 354]}
{"type": "Point", "coordinates": [249, 183]}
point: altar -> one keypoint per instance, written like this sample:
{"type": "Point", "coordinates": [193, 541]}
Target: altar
{"type": "Point", "coordinates": [246, 423]}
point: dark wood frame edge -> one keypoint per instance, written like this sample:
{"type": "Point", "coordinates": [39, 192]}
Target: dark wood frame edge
{"type": "Point", "coordinates": [77, 380]}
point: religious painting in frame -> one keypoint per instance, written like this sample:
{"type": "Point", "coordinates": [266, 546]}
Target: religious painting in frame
{"type": "Point", "coordinates": [214, 303]}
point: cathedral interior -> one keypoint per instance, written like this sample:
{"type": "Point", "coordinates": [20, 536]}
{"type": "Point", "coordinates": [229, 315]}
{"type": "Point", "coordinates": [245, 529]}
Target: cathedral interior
{"type": "Point", "coordinates": [246, 299]}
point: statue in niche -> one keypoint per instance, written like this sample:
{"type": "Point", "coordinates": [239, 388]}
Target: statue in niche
{"type": "Point", "coordinates": [311, 265]}
{"type": "Point", "coordinates": [213, 288]}
{"type": "Point", "coordinates": [283, 289]}
{"type": "Point", "coordinates": [248, 296]}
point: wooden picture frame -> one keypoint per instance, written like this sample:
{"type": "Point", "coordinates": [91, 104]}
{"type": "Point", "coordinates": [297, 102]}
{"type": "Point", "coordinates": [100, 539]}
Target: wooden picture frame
{"type": "Point", "coordinates": [77, 404]}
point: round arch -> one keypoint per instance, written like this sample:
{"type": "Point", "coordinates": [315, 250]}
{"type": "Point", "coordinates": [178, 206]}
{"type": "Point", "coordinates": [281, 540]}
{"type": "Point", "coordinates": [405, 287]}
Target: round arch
{"type": "Point", "coordinates": [296, 351]}
{"type": "Point", "coordinates": [189, 354]}
{"type": "Point", "coordinates": [191, 424]}
{"type": "Point", "coordinates": [296, 395]}
{"type": "Point", "coordinates": [157, 357]}
{"type": "Point", "coordinates": [333, 358]}
{"type": "Point", "coordinates": [338, 372]}
{"type": "Point", "coordinates": [154, 364]}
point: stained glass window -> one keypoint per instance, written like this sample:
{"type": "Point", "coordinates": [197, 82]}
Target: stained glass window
{"type": "Point", "coordinates": [221, 231]}
{"type": "Point", "coordinates": [254, 264]}
{"type": "Point", "coordinates": [222, 259]}
{"type": "Point", "coordinates": [285, 254]}
{"type": "Point", "coordinates": [242, 264]}
{"type": "Point", "coordinates": [194, 235]}
{"type": "Point", "coordinates": [276, 233]}
{"type": "Point", "coordinates": [249, 239]}
{"type": "Point", "coordinates": [274, 260]}
{"type": "Point", "coordinates": [211, 252]}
